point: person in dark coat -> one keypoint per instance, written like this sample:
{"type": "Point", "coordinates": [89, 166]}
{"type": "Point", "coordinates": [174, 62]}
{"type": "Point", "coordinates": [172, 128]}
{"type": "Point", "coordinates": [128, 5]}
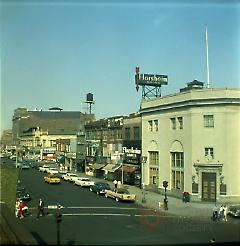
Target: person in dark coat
{"type": "Point", "coordinates": [40, 208]}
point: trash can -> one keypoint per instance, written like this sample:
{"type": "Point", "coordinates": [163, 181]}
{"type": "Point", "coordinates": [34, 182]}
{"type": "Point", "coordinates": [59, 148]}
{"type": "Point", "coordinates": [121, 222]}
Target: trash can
{"type": "Point", "coordinates": [186, 196]}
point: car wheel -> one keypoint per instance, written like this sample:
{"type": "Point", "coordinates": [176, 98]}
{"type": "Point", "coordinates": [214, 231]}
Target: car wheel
{"type": "Point", "coordinates": [117, 200]}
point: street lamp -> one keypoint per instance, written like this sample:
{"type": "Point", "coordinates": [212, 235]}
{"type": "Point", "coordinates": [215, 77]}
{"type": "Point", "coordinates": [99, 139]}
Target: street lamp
{"type": "Point", "coordinates": [143, 161]}
{"type": "Point", "coordinates": [121, 159]}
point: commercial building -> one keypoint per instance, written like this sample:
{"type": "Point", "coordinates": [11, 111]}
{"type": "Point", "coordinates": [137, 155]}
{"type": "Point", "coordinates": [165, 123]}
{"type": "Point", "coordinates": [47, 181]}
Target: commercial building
{"type": "Point", "coordinates": [47, 133]}
{"type": "Point", "coordinates": [191, 139]}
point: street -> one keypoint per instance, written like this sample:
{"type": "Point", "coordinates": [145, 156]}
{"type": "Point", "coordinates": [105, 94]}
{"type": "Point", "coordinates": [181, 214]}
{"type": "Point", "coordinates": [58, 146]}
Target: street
{"type": "Point", "coordinates": [90, 219]}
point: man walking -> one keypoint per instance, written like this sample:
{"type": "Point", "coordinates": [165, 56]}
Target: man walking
{"type": "Point", "coordinates": [40, 208]}
{"type": "Point", "coordinates": [115, 183]}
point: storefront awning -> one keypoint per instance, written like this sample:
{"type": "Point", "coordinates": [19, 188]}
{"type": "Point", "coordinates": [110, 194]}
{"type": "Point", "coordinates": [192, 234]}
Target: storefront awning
{"type": "Point", "coordinates": [128, 168]}
{"type": "Point", "coordinates": [98, 166]}
{"type": "Point", "coordinates": [111, 167]}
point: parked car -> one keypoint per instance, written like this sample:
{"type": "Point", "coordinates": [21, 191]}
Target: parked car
{"type": "Point", "coordinates": [60, 174]}
{"type": "Point", "coordinates": [51, 179]}
{"type": "Point", "coordinates": [22, 194]}
{"type": "Point", "coordinates": [120, 194]}
{"type": "Point", "coordinates": [234, 210]}
{"type": "Point", "coordinates": [84, 182]}
{"type": "Point", "coordinates": [18, 164]}
{"type": "Point", "coordinates": [100, 187]}
{"type": "Point", "coordinates": [25, 166]}
{"type": "Point", "coordinates": [34, 164]}
{"type": "Point", "coordinates": [70, 177]}
{"type": "Point", "coordinates": [52, 170]}
{"type": "Point", "coordinates": [44, 168]}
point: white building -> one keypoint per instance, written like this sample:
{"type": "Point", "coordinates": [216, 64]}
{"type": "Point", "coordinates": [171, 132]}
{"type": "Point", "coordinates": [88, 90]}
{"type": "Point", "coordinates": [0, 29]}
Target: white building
{"type": "Point", "coordinates": [192, 140]}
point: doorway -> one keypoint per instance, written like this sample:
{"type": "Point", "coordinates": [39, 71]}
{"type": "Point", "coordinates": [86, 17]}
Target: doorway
{"type": "Point", "coordinates": [209, 187]}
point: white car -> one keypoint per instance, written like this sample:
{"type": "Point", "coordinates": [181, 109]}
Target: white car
{"type": "Point", "coordinates": [52, 170]}
{"type": "Point", "coordinates": [84, 182]}
{"type": "Point", "coordinates": [44, 168]}
{"type": "Point", "coordinates": [70, 177]}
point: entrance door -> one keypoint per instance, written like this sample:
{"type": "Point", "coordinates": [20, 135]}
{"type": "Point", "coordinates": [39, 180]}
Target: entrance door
{"type": "Point", "coordinates": [209, 187]}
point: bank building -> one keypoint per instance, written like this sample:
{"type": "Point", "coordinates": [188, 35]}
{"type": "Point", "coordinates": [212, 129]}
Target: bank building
{"type": "Point", "coordinates": [191, 139]}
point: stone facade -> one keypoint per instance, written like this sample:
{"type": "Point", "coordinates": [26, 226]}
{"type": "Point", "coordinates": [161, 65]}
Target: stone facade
{"type": "Point", "coordinates": [192, 140]}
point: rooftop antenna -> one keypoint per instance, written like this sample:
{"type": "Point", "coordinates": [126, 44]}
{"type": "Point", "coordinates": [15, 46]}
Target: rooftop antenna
{"type": "Point", "coordinates": [206, 39]}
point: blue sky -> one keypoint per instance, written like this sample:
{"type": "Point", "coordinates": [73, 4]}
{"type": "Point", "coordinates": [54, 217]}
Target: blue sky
{"type": "Point", "coordinates": [55, 52]}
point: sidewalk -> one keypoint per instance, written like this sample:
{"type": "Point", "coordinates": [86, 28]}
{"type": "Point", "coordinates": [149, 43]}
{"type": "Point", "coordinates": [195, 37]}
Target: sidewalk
{"type": "Point", "coordinates": [175, 205]}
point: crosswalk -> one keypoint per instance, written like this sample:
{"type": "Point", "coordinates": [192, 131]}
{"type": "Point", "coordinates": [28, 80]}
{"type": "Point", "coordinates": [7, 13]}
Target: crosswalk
{"type": "Point", "coordinates": [103, 211]}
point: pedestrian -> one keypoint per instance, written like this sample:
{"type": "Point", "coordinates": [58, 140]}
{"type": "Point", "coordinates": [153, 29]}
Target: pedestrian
{"type": "Point", "coordinates": [40, 208]}
{"type": "Point", "coordinates": [21, 206]}
{"type": "Point", "coordinates": [225, 213]}
{"type": "Point", "coordinates": [215, 213]}
{"type": "Point", "coordinates": [221, 213]}
{"type": "Point", "coordinates": [115, 183]}
{"type": "Point", "coordinates": [119, 184]}
{"type": "Point", "coordinates": [17, 208]}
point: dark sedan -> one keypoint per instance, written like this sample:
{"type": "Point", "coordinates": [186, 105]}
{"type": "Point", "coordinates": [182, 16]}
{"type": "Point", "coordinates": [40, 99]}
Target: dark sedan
{"type": "Point", "coordinates": [99, 187]}
{"type": "Point", "coordinates": [23, 195]}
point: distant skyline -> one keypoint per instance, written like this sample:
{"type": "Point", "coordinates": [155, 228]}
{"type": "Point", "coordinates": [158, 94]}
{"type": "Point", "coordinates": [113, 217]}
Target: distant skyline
{"type": "Point", "coordinates": [55, 52]}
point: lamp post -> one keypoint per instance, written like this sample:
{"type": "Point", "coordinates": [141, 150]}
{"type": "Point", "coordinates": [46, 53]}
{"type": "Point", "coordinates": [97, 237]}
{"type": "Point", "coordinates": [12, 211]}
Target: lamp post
{"type": "Point", "coordinates": [143, 162]}
{"type": "Point", "coordinates": [121, 159]}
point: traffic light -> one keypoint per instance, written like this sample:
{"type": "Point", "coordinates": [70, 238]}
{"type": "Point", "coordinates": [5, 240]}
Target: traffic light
{"type": "Point", "coordinates": [165, 184]}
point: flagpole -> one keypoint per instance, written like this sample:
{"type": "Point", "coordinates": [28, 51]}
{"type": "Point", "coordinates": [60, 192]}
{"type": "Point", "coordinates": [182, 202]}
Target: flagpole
{"type": "Point", "coordinates": [206, 39]}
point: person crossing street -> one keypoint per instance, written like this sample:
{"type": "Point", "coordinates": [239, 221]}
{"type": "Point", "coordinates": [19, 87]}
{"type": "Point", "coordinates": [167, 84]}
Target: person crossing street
{"type": "Point", "coordinates": [40, 208]}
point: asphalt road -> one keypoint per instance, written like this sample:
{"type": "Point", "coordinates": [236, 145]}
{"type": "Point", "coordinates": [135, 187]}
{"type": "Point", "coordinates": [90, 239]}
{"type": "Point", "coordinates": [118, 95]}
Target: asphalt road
{"type": "Point", "coordinates": [90, 219]}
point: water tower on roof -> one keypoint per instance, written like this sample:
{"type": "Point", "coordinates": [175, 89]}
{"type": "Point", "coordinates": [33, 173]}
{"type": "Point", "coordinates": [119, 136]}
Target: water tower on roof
{"type": "Point", "coordinates": [89, 102]}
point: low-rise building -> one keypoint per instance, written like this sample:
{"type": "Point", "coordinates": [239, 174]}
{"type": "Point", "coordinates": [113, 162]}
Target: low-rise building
{"type": "Point", "coordinates": [191, 140]}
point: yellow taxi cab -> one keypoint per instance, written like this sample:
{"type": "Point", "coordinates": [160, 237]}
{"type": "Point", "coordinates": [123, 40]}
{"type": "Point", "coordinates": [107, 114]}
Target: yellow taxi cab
{"type": "Point", "coordinates": [51, 179]}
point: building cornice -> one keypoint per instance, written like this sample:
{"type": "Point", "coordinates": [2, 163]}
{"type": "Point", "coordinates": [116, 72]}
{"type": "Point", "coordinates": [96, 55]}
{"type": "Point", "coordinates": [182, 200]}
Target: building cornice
{"type": "Point", "coordinates": [192, 99]}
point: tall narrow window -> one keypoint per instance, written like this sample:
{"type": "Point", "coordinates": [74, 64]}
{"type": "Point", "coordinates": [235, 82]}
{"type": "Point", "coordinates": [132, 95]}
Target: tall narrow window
{"type": "Point", "coordinates": [150, 125]}
{"type": "Point", "coordinates": [127, 133]}
{"type": "Point", "coordinates": [177, 159]}
{"type": "Point", "coordinates": [136, 133]}
{"type": "Point", "coordinates": [208, 121]}
{"type": "Point", "coordinates": [173, 123]}
{"type": "Point", "coordinates": [153, 158]}
{"type": "Point", "coordinates": [180, 122]}
{"type": "Point", "coordinates": [155, 125]}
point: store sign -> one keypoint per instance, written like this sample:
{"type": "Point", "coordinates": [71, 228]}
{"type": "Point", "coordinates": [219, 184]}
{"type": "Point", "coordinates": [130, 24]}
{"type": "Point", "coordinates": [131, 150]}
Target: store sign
{"type": "Point", "coordinates": [149, 79]}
